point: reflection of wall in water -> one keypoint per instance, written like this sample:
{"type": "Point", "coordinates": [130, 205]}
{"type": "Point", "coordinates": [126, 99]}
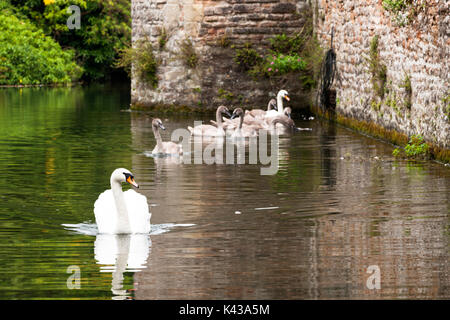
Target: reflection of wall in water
{"type": "Point", "coordinates": [325, 254]}
{"type": "Point", "coordinates": [405, 240]}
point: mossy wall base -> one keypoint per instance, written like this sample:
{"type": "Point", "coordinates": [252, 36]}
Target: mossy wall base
{"type": "Point", "coordinates": [395, 76]}
{"type": "Point", "coordinates": [380, 132]}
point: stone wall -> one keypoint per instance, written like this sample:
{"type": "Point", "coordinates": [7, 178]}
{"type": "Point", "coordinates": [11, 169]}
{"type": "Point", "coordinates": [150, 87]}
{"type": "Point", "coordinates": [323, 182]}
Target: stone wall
{"type": "Point", "coordinates": [214, 27]}
{"type": "Point", "coordinates": [419, 49]}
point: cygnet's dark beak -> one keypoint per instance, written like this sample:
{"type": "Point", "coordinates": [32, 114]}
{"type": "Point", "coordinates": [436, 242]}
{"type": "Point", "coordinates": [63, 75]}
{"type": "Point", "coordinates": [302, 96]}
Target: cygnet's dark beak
{"type": "Point", "coordinates": [161, 126]}
{"type": "Point", "coordinates": [233, 116]}
{"type": "Point", "coordinates": [228, 114]}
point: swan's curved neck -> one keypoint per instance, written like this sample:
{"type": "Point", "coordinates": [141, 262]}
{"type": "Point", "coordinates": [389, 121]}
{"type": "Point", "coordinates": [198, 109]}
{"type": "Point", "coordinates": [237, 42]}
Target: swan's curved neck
{"type": "Point", "coordinates": [123, 224]}
{"type": "Point", "coordinates": [269, 106]}
{"type": "Point", "coordinates": [157, 137]}
{"type": "Point", "coordinates": [241, 120]}
{"type": "Point", "coordinates": [280, 104]}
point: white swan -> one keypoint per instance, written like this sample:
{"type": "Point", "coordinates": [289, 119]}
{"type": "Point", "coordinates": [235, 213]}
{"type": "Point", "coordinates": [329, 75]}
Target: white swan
{"type": "Point", "coordinates": [167, 147]}
{"type": "Point", "coordinates": [210, 130]}
{"type": "Point", "coordinates": [118, 212]}
{"type": "Point", "coordinates": [282, 94]}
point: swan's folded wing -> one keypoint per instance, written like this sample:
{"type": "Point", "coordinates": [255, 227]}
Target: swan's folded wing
{"type": "Point", "coordinates": [104, 211]}
{"type": "Point", "coordinates": [138, 212]}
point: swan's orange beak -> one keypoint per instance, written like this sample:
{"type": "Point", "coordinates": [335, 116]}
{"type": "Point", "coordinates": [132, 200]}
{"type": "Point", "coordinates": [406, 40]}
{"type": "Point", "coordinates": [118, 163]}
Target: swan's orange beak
{"type": "Point", "coordinates": [287, 98]}
{"type": "Point", "coordinates": [131, 181]}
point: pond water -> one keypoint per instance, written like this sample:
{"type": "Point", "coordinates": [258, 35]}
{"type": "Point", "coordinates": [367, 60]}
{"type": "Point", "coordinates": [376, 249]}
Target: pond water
{"type": "Point", "coordinates": [339, 211]}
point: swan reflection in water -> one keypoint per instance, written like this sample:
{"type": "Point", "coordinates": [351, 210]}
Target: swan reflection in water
{"type": "Point", "coordinates": [119, 254]}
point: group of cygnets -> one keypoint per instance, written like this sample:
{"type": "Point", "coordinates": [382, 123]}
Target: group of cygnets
{"type": "Point", "coordinates": [118, 212]}
{"type": "Point", "coordinates": [239, 124]}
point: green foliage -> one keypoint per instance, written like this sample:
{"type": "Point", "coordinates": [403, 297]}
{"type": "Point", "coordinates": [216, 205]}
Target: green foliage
{"type": "Point", "coordinates": [188, 53]}
{"type": "Point", "coordinates": [105, 29]}
{"type": "Point", "coordinates": [375, 105]}
{"type": "Point", "coordinates": [307, 81]}
{"type": "Point", "coordinates": [287, 45]}
{"type": "Point", "coordinates": [312, 54]}
{"type": "Point", "coordinates": [225, 94]}
{"type": "Point", "coordinates": [299, 53]}
{"type": "Point", "coordinates": [162, 40]}
{"type": "Point", "coordinates": [408, 90]}
{"type": "Point", "coordinates": [404, 11]}
{"type": "Point", "coordinates": [396, 5]}
{"type": "Point", "coordinates": [281, 64]}
{"type": "Point", "coordinates": [143, 59]}
{"type": "Point", "coordinates": [377, 69]}
{"type": "Point", "coordinates": [275, 63]}
{"type": "Point", "coordinates": [28, 56]}
{"type": "Point", "coordinates": [247, 58]}
{"type": "Point", "coordinates": [416, 147]}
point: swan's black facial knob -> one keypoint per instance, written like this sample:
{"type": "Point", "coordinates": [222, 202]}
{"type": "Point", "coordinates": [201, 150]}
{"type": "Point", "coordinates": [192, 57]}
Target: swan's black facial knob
{"type": "Point", "coordinates": [130, 179]}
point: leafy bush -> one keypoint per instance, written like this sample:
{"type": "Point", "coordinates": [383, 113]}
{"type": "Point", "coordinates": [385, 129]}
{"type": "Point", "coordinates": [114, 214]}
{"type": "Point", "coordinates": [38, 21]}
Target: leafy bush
{"type": "Point", "coordinates": [28, 56]}
{"type": "Point", "coordinates": [404, 11]}
{"type": "Point", "coordinates": [143, 59]}
{"type": "Point", "coordinates": [281, 64]}
{"type": "Point", "coordinates": [247, 58]}
{"type": "Point", "coordinates": [396, 5]}
{"type": "Point", "coordinates": [273, 64]}
{"type": "Point", "coordinates": [188, 54]}
{"type": "Point", "coordinates": [416, 148]}
{"type": "Point", "coordinates": [287, 45]}
{"type": "Point", "coordinates": [105, 29]}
